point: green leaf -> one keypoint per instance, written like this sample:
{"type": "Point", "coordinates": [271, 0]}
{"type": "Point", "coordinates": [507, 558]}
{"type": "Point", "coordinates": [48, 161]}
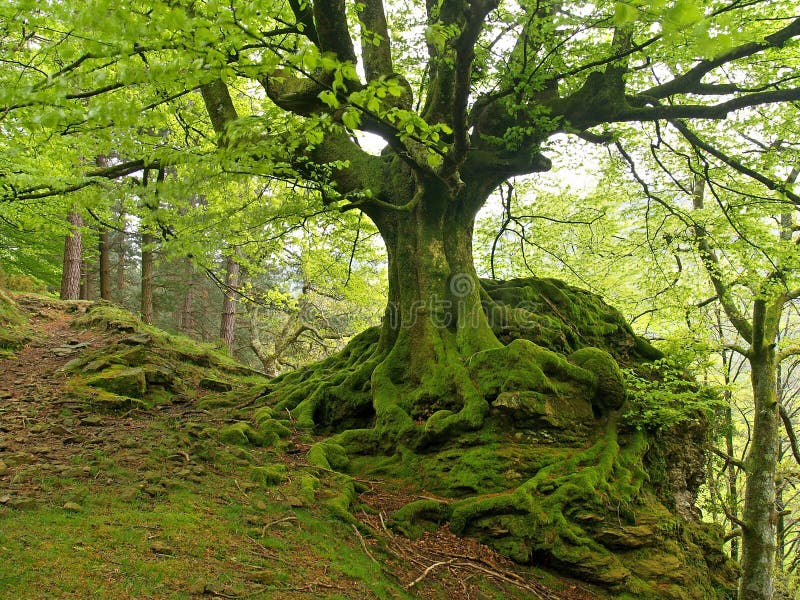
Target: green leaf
{"type": "Point", "coordinates": [625, 14]}
{"type": "Point", "coordinates": [351, 118]}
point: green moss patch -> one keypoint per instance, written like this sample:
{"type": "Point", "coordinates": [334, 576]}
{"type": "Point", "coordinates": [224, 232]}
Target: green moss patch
{"type": "Point", "coordinates": [14, 328]}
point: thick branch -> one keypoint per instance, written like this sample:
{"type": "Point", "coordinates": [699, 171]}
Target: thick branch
{"type": "Point", "coordinates": [770, 184]}
{"type": "Point", "coordinates": [376, 46]}
{"type": "Point", "coordinates": [92, 178]}
{"type": "Point", "coordinates": [330, 17]}
{"type": "Point", "coordinates": [304, 15]}
{"type": "Point", "coordinates": [790, 434]}
{"type": "Point", "coordinates": [690, 81]}
{"type": "Point", "coordinates": [729, 460]}
{"type": "Point", "coordinates": [219, 105]}
{"type": "Point", "coordinates": [702, 111]}
{"type": "Point", "coordinates": [465, 54]}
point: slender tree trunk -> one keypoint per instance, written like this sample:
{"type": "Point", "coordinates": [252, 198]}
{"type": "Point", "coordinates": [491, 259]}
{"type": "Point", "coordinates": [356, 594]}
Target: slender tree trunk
{"type": "Point", "coordinates": [120, 250]}
{"type": "Point", "coordinates": [148, 261]}
{"type": "Point", "coordinates": [87, 280]}
{"type": "Point", "coordinates": [733, 492]}
{"type": "Point", "coordinates": [71, 273]}
{"type": "Point", "coordinates": [105, 265]}
{"type": "Point", "coordinates": [759, 515]}
{"type": "Point", "coordinates": [186, 319]}
{"type": "Point", "coordinates": [227, 328]}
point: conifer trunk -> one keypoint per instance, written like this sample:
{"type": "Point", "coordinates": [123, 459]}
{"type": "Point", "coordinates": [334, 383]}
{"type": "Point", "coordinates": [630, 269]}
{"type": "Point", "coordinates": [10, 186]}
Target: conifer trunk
{"type": "Point", "coordinates": [73, 247]}
{"type": "Point", "coordinates": [227, 328]}
{"type": "Point", "coordinates": [120, 249]}
{"type": "Point", "coordinates": [105, 265]}
{"type": "Point", "coordinates": [147, 277]}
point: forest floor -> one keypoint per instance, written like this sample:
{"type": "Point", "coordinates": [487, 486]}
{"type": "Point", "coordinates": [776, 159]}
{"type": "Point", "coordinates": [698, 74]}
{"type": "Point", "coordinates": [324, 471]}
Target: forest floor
{"type": "Point", "coordinates": [139, 504]}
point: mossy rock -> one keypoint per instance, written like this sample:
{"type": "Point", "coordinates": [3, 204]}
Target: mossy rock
{"type": "Point", "coordinates": [120, 380]}
{"type": "Point", "coordinates": [241, 433]}
{"type": "Point", "coordinates": [269, 475]}
{"type": "Point", "coordinates": [415, 518]}
{"type": "Point", "coordinates": [213, 384]}
{"type": "Point", "coordinates": [14, 329]}
{"type": "Point", "coordinates": [610, 383]}
{"type": "Point", "coordinates": [562, 318]}
{"type": "Point", "coordinates": [525, 409]}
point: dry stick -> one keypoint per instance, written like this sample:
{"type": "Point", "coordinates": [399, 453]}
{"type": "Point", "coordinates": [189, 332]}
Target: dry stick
{"type": "Point", "coordinates": [276, 521]}
{"type": "Point", "coordinates": [513, 581]}
{"type": "Point", "coordinates": [364, 545]}
{"type": "Point", "coordinates": [428, 570]}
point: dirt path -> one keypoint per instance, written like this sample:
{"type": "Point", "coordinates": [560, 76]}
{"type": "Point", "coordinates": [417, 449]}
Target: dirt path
{"type": "Point", "coordinates": [38, 429]}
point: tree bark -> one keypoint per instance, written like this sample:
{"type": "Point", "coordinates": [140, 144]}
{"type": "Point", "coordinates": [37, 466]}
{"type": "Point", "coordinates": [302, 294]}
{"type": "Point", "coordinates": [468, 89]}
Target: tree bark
{"type": "Point", "coordinates": [87, 280]}
{"type": "Point", "coordinates": [105, 265]}
{"type": "Point", "coordinates": [186, 319]}
{"type": "Point", "coordinates": [733, 490]}
{"type": "Point", "coordinates": [120, 246]}
{"type": "Point", "coordinates": [759, 515]}
{"type": "Point", "coordinates": [148, 261]}
{"type": "Point", "coordinates": [73, 247]}
{"type": "Point", "coordinates": [227, 328]}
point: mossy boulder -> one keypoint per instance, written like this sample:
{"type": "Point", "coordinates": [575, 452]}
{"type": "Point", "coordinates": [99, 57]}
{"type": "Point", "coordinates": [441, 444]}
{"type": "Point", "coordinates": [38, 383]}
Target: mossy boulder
{"type": "Point", "coordinates": [120, 380]}
{"type": "Point", "coordinates": [610, 383]}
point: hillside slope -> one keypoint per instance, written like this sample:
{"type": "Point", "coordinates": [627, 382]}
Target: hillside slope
{"type": "Point", "coordinates": [128, 469]}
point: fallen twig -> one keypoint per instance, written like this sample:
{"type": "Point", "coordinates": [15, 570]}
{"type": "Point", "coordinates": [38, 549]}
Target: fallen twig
{"type": "Point", "coordinates": [428, 570]}
{"type": "Point", "coordinates": [364, 545]}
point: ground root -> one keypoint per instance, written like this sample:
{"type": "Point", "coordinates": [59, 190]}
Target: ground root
{"type": "Point", "coordinates": [334, 394]}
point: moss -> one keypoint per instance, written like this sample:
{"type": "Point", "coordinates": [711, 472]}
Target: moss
{"type": "Point", "coordinates": [269, 475]}
{"type": "Point", "coordinates": [328, 455]}
{"type": "Point", "coordinates": [101, 400]}
{"type": "Point", "coordinates": [415, 518]}
{"type": "Point", "coordinates": [610, 383]}
{"type": "Point", "coordinates": [14, 329]}
{"type": "Point", "coordinates": [241, 434]}
{"type": "Point", "coordinates": [509, 435]}
{"type": "Point", "coordinates": [475, 471]}
{"type": "Point", "coordinates": [560, 317]}
{"type": "Point", "coordinates": [339, 504]}
{"type": "Point", "coordinates": [120, 380]}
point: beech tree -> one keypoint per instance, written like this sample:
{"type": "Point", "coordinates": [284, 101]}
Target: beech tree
{"type": "Point", "coordinates": [464, 93]}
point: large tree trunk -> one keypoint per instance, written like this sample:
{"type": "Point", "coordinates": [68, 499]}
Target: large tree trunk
{"type": "Point", "coordinates": [148, 261]}
{"type": "Point", "coordinates": [759, 516]}
{"type": "Point", "coordinates": [105, 265]}
{"type": "Point", "coordinates": [227, 328]}
{"type": "Point", "coordinates": [71, 274]}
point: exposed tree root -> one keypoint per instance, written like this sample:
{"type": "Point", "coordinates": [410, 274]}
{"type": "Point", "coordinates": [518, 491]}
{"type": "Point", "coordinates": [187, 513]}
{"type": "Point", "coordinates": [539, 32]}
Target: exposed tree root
{"type": "Point", "coordinates": [522, 442]}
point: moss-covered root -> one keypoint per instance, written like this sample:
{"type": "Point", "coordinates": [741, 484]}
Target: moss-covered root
{"type": "Point", "coordinates": [331, 394]}
{"type": "Point", "coordinates": [549, 515]}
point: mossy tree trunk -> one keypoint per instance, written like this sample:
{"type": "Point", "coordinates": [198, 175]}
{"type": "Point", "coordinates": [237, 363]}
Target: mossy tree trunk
{"type": "Point", "coordinates": [434, 317]}
{"type": "Point", "coordinates": [759, 515]}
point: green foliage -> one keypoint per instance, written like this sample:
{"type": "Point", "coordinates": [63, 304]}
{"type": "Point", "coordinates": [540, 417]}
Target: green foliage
{"type": "Point", "coordinates": [662, 396]}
